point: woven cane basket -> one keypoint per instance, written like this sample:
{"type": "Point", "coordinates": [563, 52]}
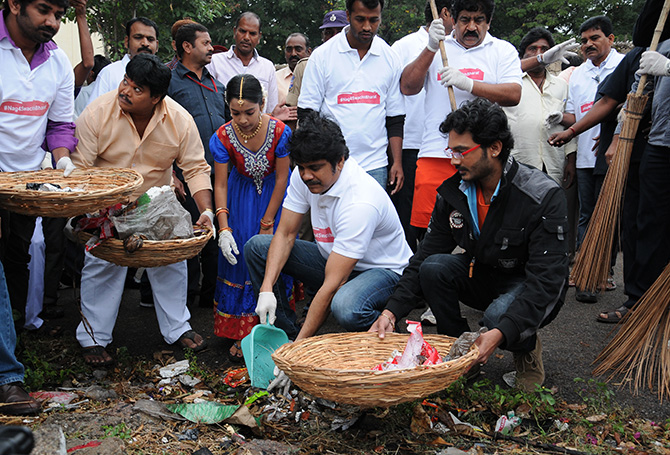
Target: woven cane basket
{"type": "Point", "coordinates": [337, 367]}
{"type": "Point", "coordinates": [101, 187]}
{"type": "Point", "coordinates": [153, 253]}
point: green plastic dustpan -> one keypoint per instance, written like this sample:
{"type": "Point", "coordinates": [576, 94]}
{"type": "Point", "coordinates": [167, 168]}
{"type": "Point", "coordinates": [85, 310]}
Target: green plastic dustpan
{"type": "Point", "coordinates": [257, 348]}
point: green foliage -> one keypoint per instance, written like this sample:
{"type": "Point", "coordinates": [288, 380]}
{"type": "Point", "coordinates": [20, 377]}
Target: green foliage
{"type": "Point", "coordinates": [512, 19]}
{"type": "Point", "coordinates": [39, 372]}
{"type": "Point", "coordinates": [110, 16]}
{"type": "Point", "coordinates": [596, 395]}
{"type": "Point", "coordinates": [120, 431]}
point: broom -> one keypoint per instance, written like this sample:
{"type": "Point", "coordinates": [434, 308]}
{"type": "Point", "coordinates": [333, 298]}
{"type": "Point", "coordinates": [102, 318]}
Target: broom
{"type": "Point", "coordinates": [445, 61]}
{"type": "Point", "coordinates": [592, 265]}
{"type": "Point", "coordinates": [640, 351]}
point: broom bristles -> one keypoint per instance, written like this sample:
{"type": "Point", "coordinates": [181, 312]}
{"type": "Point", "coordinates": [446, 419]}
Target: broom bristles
{"type": "Point", "coordinates": [640, 351]}
{"type": "Point", "coordinates": [592, 264]}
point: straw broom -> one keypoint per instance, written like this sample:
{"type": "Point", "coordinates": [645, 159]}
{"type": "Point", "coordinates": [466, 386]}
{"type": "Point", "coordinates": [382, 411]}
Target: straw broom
{"type": "Point", "coordinates": [592, 265]}
{"type": "Point", "coordinates": [640, 351]}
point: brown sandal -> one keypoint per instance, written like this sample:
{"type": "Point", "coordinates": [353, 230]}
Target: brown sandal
{"type": "Point", "coordinates": [614, 316]}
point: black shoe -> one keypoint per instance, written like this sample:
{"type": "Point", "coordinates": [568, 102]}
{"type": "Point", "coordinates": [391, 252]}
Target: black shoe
{"type": "Point", "coordinates": [52, 312]}
{"type": "Point", "coordinates": [586, 297]}
{"type": "Point", "coordinates": [14, 400]}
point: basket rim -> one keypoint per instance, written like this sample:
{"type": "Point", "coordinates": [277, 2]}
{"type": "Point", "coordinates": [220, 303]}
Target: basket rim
{"type": "Point", "coordinates": [311, 340]}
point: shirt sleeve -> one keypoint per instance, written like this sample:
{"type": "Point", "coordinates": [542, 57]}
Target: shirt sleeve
{"type": "Point", "coordinates": [570, 104]}
{"type": "Point", "coordinates": [354, 229]}
{"type": "Point", "coordinates": [191, 158]}
{"type": "Point", "coordinates": [395, 103]}
{"type": "Point", "coordinates": [60, 129]}
{"type": "Point", "coordinates": [509, 65]}
{"type": "Point", "coordinates": [219, 151]}
{"type": "Point", "coordinates": [282, 146]}
{"type": "Point", "coordinates": [86, 132]}
{"type": "Point", "coordinates": [101, 84]}
{"type": "Point", "coordinates": [296, 200]}
{"type": "Point", "coordinates": [312, 92]}
{"type": "Point", "coordinates": [273, 91]}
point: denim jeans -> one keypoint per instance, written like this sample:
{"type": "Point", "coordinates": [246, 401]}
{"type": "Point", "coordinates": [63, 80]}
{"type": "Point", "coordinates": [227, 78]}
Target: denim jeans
{"type": "Point", "coordinates": [356, 305]}
{"type": "Point", "coordinates": [380, 175]}
{"type": "Point", "coordinates": [444, 281]}
{"type": "Point", "coordinates": [11, 369]}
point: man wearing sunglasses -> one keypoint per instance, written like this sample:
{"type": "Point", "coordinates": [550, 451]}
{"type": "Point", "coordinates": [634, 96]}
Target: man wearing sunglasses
{"type": "Point", "coordinates": [510, 220]}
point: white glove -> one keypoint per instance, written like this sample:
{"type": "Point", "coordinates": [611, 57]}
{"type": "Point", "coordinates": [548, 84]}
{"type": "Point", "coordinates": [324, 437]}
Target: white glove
{"type": "Point", "coordinates": [210, 215]}
{"type": "Point", "coordinates": [280, 382]}
{"type": "Point", "coordinates": [452, 76]}
{"type": "Point", "coordinates": [436, 33]}
{"type": "Point", "coordinates": [554, 118]}
{"type": "Point", "coordinates": [654, 64]}
{"type": "Point", "coordinates": [559, 52]}
{"type": "Point", "coordinates": [66, 164]}
{"type": "Point", "coordinates": [266, 307]}
{"type": "Point", "coordinates": [228, 247]}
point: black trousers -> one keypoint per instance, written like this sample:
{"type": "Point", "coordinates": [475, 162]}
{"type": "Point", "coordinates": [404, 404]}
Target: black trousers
{"type": "Point", "coordinates": [17, 231]}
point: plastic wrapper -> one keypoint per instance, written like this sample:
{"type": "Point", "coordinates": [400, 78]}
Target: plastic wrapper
{"type": "Point", "coordinates": [507, 423]}
{"type": "Point", "coordinates": [157, 215]}
{"type": "Point", "coordinates": [417, 352]}
{"type": "Point", "coordinates": [463, 344]}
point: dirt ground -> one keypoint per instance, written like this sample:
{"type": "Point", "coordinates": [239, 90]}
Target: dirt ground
{"type": "Point", "coordinates": [110, 404]}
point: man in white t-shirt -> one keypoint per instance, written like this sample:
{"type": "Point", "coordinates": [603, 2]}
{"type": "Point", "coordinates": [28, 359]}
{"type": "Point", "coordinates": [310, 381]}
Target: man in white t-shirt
{"type": "Point", "coordinates": [359, 251]}
{"type": "Point", "coordinates": [243, 58]}
{"type": "Point", "coordinates": [407, 48]}
{"type": "Point", "coordinates": [354, 78]}
{"type": "Point", "coordinates": [479, 66]}
{"type": "Point", "coordinates": [36, 108]}
{"type": "Point", "coordinates": [141, 38]}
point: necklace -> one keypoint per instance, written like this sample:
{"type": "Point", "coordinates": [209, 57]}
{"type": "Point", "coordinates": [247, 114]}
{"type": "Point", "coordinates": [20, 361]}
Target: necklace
{"type": "Point", "coordinates": [246, 137]}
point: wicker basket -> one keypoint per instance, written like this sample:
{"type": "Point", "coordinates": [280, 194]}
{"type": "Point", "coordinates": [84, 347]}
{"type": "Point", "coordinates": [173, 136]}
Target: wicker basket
{"type": "Point", "coordinates": [338, 366]}
{"type": "Point", "coordinates": [154, 253]}
{"type": "Point", "coordinates": [102, 187]}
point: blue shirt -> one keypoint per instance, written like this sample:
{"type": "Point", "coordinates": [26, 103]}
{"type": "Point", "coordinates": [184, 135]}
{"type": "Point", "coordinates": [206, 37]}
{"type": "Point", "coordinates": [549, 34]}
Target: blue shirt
{"type": "Point", "coordinates": [206, 104]}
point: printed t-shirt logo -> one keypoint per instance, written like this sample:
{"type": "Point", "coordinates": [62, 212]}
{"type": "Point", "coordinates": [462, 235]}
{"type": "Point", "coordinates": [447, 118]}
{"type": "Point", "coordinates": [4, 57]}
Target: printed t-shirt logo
{"type": "Point", "coordinates": [586, 107]}
{"type": "Point", "coordinates": [362, 97]}
{"type": "Point", "coordinates": [31, 108]}
{"type": "Point", "coordinates": [323, 235]}
{"type": "Point", "coordinates": [473, 73]}
{"type": "Point", "coordinates": [456, 220]}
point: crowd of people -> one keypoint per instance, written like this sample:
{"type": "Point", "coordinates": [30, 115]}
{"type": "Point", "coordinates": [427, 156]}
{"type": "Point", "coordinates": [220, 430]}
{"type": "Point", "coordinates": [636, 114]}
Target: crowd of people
{"type": "Point", "coordinates": [376, 179]}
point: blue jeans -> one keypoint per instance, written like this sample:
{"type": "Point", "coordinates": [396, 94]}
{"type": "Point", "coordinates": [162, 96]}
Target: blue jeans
{"type": "Point", "coordinates": [380, 174]}
{"type": "Point", "coordinates": [11, 369]}
{"type": "Point", "coordinates": [444, 281]}
{"type": "Point", "coordinates": [356, 305]}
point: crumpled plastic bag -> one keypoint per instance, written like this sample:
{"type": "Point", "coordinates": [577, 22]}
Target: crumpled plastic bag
{"type": "Point", "coordinates": [157, 215]}
{"type": "Point", "coordinates": [417, 352]}
{"type": "Point", "coordinates": [463, 344]}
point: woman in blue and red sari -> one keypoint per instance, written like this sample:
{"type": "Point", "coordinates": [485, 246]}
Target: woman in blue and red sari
{"type": "Point", "coordinates": [253, 147]}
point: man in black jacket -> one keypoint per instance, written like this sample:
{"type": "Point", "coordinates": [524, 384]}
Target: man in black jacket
{"type": "Point", "coordinates": [510, 220]}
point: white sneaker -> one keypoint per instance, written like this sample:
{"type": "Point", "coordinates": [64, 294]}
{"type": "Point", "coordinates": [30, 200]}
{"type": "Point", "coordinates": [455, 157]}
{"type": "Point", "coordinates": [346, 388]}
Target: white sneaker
{"type": "Point", "coordinates": [428, 317]}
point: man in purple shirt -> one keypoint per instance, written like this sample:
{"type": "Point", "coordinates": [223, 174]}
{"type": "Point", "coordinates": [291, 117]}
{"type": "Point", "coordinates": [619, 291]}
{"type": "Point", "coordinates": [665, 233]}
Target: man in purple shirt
{"type": "Point", "coordinates": [36, 108]}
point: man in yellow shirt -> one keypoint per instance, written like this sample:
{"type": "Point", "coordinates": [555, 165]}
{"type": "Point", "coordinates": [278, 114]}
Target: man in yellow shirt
{"type": "Point", "coordinates": [137, 127]}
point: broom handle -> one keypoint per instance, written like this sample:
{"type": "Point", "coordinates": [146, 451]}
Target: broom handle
{"type": "Point", "coordinates": [654, 41]}
{"type": "Point", "coordinates": [445, 62]}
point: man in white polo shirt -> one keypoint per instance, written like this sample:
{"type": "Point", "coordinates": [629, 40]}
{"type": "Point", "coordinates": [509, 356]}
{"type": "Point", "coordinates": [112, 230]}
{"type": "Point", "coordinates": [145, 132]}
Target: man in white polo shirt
{"type": "Point", "coordinates": [354, 78]}
{"type": "Point", "coordinates": [359, 253]}
{"type": "Point", "coordinates": [36, 109]}
{"type": "Point", "coordinates": [407, 48]}
{"type": "Point", "coordinates": [479, 66]}
{"type": "Point", "coordinates": [601, 60]}
{"type": "Point", "coordinates": [141, 38]}
{"type": "Point", "coordinates": [243, 58]}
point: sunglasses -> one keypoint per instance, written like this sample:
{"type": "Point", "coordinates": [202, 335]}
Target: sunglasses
{"type": "Point", "coordinates": [451, 153]}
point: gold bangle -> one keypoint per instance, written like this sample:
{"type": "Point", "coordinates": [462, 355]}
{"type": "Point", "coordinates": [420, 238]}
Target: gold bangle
{"type": "Point", "coordinates": [389, 318]}
{"type": "Point", "coordinates": [229, 229]}
{"type": "Point", "coordinates": [267, 224]}
{"type": "Point", "coordinates": [208, 210]}
{"type": "Point", "coordinates": [222, 209]}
